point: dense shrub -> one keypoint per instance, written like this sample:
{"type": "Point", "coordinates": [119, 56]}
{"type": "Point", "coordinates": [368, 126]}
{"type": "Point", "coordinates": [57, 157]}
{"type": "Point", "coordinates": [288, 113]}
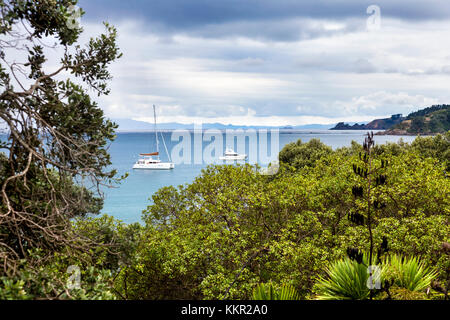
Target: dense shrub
{"type": "Point", "coordinates": [233, 228]}
{"type": "Point", "coordinates": [299, 155]}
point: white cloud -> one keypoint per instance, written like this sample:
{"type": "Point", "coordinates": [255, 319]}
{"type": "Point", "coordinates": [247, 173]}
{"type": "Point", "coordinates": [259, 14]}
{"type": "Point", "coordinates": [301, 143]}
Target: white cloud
{"type": "Point", "coordinates": [383, 103]}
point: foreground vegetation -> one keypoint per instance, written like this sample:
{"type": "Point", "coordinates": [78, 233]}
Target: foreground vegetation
{"type": "Point", "coordinates": [234, 229]}
{"type": "Point", "coordinates": [233, 233]}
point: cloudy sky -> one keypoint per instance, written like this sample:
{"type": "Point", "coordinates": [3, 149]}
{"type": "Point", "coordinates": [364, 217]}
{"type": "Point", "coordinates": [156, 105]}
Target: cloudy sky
{"type": "Point", "coordinates": [274, 62]}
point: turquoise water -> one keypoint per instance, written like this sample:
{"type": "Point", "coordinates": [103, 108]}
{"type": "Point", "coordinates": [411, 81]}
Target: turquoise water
{"type": "Point", "coordinates": [133, 195]}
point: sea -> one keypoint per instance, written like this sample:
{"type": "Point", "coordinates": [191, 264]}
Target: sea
{"type": "Point", "coordinates": [192, 151]}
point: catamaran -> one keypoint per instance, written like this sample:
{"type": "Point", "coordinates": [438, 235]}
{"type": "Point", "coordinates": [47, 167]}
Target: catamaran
{"type": "Point", "coordinates": [230, 154]}
{"type": "Point", "coordinates": [146, 160]}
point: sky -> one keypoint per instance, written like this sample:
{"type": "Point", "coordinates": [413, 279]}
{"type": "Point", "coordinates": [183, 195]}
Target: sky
{"type": "Point", "coordinates": [274, 62]}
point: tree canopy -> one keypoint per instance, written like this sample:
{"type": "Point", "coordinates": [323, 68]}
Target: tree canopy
{"type": "Point", "coordinates": [56, 133]}
{"type": "Point", "coordinates": [233, 228]}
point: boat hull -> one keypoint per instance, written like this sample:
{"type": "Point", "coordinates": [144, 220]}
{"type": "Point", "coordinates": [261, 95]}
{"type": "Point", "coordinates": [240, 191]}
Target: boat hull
{"type": "Point", "coordinates": [154, 166]}
{"type": "Point", "coordinates": [232, 158]}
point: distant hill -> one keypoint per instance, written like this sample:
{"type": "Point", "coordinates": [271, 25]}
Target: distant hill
{"type": "Point", "coordinates": [428, 121]}
{"type": "Point", "coordinates": [134, 125]}
{"type": "Point", "coordinates": [378, 124]}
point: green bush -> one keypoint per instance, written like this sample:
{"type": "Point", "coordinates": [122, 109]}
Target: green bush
{"type": "Point", "coordinates": [299, 155]}
{"type": "Point", "coordinates": [400, 276]}
{"type": "Point", "coordinates": [268, 292]}
{"type": "Point", "coordinates": [410, 273]}
{"type": "Point", "coordinates": [348, 280]}
{"type": "Point", "coordinates": [232, 228]}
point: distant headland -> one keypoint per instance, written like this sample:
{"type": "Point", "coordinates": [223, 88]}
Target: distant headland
{"type": "Point", "coordinates": [378, 124]}
{"type": "Point", "coordinates": [428, 121]}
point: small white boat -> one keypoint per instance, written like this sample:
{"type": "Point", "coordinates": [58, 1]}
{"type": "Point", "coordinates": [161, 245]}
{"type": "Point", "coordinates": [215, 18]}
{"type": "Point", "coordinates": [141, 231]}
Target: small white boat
{"type": "Point", "coordinates": [146, 160]}
{"type": "Point", "coordinates": [230, 154]}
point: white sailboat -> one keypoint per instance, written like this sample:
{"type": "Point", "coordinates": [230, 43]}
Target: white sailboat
{"type": "Point", "coordinates": [146, 160]}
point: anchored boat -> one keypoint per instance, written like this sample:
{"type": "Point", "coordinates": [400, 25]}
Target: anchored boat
{"type": "Point", "coordinates": [147, 160]}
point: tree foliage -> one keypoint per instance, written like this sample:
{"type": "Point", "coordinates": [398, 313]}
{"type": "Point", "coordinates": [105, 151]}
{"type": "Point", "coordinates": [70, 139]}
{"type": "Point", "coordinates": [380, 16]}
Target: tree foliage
{"type": "Point", "coordinates": [56, 134]}
{"type": "Point", "coordinates": [299, 155]}
{"type": "Point", "coordinates": [233, 228]}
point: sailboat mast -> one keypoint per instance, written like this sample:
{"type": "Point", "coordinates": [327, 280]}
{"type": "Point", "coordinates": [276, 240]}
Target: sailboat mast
{"type": "Point", "coordinates": [156, 131]}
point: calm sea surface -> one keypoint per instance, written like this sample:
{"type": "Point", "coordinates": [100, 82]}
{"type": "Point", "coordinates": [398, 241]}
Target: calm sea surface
{"type": "Point", "coordinates": [133, 195]}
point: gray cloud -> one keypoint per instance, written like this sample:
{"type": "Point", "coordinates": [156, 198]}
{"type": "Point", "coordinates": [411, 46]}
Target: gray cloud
{"type": "Point", "coordinates": [280, 62]}
{"type": "Point", "coordinates": [364, 66]}
{"type": "Point", "coordinates": [266, 19]}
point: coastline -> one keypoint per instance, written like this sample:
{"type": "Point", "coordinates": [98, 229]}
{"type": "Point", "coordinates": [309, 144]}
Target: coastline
{"type": "Point", "coordinates": [398, 132]}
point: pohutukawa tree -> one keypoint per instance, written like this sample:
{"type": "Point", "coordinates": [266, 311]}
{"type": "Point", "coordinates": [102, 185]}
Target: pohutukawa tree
{"type": "Point", "coordinates": [56, 135]}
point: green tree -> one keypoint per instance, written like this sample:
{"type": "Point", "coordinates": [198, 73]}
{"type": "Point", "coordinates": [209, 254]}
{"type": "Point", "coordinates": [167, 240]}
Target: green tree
{"type": "Point", "coordinates": [57, 135]}
{"type": "Point", "coordinates": [232, 229]}
{"type": "Point", "coordinates": [437, 147]}
{"type": "Point", "coordinates": [418, 125]}
{"type": "Point", "coordinates": [299, 155]}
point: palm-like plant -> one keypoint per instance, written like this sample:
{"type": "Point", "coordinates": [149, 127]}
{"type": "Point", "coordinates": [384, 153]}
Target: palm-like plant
{"type": "Point", "coordinates": [266, 291]}
{"type": "Point", "coordinates": [347, 280]}
{"type": "Point", "coordinates": [410, 273]}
